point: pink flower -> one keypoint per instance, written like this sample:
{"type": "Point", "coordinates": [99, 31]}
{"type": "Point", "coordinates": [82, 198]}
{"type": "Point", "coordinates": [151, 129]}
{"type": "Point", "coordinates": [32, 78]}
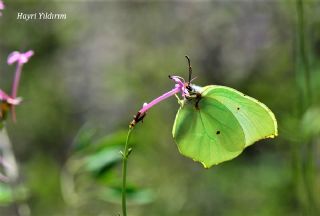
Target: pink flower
{"type": "Point", "coordinates": [180, 86]}
{"type": "Point", "coordinates": [6, 103]}
{"type": "Point", "coordinates": [20, 59]}
{"type": "Point", "coordinates": [1, 7]}
{"type": "Point", "coordinates": [6, 98]}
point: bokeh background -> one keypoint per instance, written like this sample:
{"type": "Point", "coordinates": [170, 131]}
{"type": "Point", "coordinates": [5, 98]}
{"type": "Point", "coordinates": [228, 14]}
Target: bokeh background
{"type": "Point", "coordinates": [93, 71]}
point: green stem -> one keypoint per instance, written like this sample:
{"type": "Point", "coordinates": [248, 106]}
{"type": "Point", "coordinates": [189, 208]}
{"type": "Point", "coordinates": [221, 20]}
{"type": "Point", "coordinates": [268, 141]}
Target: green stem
{"type": "Point", "coordinates": [302, 51]}
{"type": "Point", "coordinates": [125, 155]}
{"type": "Point", "coordinates": [307, 161]}
{"type": "Point", "coordinates": [309, 179]}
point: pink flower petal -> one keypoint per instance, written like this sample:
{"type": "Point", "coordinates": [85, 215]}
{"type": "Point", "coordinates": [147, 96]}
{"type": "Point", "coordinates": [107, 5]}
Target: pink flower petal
{"type": "Point", "coordinates": [21, 58]}
{"type": "Point", "coordinates": [1, 5]}
{"type": "Point", "coordinates": [8, 99]}
{"type": "Point", "coordinates": [14, 101]}
{"type": "Point", "coordinates": [24, 57]}
{"type": "Point", "coordinates": [13, 57]}
{"type": "Point", "coordinates": [3, 95]}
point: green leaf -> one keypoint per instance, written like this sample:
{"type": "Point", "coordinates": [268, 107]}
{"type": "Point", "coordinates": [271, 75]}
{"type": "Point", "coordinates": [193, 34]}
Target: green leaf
{"type": "Point", "coordinates": [83, 138]}
{"type": "Point", "coordinates": [311, 122]}
{"type": "Point", "coordinates": [219, 123]}
{"type": "Point", "coordinates": [6, 195]}
{"type": "Point", "coordinates": [104, 154]}
{"type": "Point", "coordinates": [9, 195]}
{"type": "Point", "coordinates": [103, 160]}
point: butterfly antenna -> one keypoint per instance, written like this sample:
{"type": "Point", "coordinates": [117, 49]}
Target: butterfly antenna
{"type": "Point", "coordinates": [190, 69]}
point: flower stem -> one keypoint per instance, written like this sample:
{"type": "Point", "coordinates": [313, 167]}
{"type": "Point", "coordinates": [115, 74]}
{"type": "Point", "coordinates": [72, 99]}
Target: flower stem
{"type": "Point", "coordinates": [125, 155]}
{"type": "Point", "coordinates": [179, 87]}
{"type": "Point", "coordinates": [15, 88]}
{"type": "Point", "coordinates": [16, 80]}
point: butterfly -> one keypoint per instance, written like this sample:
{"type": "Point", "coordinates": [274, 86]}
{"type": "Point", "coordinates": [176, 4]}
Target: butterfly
{"type": "Point", "coordinates": [216, 123]}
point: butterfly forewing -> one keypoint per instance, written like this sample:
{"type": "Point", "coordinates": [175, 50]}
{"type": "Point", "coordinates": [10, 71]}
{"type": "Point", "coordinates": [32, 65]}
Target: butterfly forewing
{"type": "Point", "coordinates": [255, 118]}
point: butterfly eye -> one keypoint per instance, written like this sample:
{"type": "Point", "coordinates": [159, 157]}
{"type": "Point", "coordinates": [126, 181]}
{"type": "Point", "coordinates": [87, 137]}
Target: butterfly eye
{"type": "Point", "coordinates": [189, 87]}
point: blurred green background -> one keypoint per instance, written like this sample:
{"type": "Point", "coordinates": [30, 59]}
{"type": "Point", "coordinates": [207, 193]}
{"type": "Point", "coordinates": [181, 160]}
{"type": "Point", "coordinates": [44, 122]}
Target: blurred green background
{"type": "Point", "coordinates": [93, 71]}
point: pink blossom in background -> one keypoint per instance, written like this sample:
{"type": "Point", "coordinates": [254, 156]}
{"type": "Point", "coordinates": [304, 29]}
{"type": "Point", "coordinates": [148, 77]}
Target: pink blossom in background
{"type": "Point", "coordinates": [1, 7]}
{"type": "Point", "coordinates": [20, 59]}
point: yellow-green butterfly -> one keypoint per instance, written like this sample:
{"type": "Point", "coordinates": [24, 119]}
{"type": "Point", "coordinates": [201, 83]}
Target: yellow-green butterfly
{"type": "Point", "coordinates": [215, 123]}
